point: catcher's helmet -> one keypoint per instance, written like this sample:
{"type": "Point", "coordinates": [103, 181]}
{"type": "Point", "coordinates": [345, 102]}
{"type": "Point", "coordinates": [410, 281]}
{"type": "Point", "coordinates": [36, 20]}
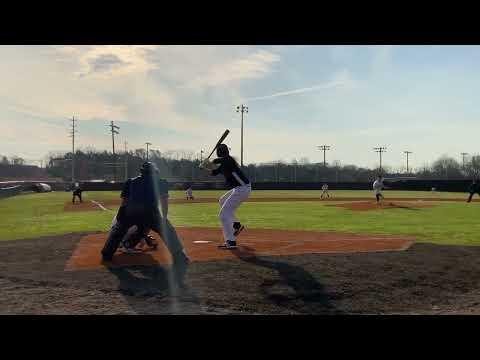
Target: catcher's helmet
{"type": "Point", "coordinates": [148, 168]}
{"type": "Point", "coordinates": [222, 150]}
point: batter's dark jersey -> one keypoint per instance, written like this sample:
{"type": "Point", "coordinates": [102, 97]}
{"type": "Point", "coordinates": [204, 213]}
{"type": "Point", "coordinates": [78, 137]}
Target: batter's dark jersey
{"type": "Point", "coordinates": [77, 192]}
{"type": "Point", "coordinates": [229, 168]}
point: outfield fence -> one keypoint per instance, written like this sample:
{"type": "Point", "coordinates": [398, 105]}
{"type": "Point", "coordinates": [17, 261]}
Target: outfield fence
{"type": "Point", "coordinates": [10, 191]}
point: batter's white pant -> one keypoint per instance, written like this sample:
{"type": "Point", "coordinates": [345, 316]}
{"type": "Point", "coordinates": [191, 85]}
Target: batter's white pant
{"type": "Point", "coordinates": [229, 203]}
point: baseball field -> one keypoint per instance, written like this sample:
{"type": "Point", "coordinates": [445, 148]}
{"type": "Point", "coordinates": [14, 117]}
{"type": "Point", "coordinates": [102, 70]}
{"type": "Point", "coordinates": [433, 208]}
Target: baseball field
{"type": "Point", "coordinates": [415, 253]}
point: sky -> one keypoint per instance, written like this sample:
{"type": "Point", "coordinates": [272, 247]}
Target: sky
{"type": "Point", "coordinates": [353, 98]}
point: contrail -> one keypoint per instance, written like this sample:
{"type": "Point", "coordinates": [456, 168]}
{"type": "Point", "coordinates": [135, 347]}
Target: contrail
{"type": "Point", "coordinates": [300, 91]}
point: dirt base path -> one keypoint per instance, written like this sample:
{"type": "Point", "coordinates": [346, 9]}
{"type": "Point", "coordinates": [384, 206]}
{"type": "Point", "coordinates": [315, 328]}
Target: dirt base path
{"type": "Point", "coordinates": [90, 205]}
{"type": "Point", "coordinates": [201, 245]}
{"type": "Point", "coordinates": [373, 205]}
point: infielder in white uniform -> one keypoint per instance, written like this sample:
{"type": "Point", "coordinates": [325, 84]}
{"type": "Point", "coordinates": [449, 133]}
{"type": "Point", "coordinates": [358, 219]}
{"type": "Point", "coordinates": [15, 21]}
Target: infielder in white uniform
{"type": "Point", "coordinates": [324, 191]}
{"type": "Point", "coordinates": [230, 201]}
{"type": "Point", "coordinates": [378, 187]}
{"type": "Point", "coordinates": [189, 193]}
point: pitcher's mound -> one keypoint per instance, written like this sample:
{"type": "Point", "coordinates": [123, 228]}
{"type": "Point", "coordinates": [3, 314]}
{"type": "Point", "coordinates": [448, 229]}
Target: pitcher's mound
{"type": "Point", "coordinates": [201, 245]}
{"type": "Point", "coordinates": [372, 205]}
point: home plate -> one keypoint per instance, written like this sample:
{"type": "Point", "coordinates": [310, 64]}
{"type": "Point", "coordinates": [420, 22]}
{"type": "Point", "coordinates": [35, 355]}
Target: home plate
{"type": "Point", "coordinates": [201, 242]}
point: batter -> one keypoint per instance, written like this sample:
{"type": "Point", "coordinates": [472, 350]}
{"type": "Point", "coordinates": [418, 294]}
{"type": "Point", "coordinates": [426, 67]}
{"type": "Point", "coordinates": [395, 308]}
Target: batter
{"type": "Point", "coordinates": [240, 189]}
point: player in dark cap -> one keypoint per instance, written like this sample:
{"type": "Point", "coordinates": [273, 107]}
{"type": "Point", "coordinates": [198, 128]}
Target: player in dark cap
{"type": "Point", "coordinates": [77, 192]}
{"type": "Point", "coordinates": [474, 189]}
{"type": "Point", "coordinates": [239, 192]}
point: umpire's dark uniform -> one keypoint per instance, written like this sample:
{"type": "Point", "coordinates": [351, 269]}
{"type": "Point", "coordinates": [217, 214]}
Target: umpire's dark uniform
{"type": "Point", "coordinates": [140, 208]}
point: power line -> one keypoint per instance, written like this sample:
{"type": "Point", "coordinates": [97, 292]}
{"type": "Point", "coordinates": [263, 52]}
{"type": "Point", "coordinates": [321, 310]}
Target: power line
{"type": "Point", "coordinates": [126, 161]}
{"type": "Point", "coordinates": [380, 150]}
{"type": "Point", "coordinates": [113, 130]}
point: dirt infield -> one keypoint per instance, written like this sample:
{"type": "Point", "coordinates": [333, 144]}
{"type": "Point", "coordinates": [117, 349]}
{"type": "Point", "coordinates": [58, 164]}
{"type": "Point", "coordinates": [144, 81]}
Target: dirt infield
{"type": "Point", "coordinates": [201, 245]}
{"type": "Point", "coordinates": [89, 205]}
{"type": "Point", "coordinates": [373, 205]}
{"type": "Point", "coordinates": [424, 279]}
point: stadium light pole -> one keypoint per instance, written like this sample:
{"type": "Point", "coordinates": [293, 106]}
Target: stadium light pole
{"type": "Point", "coordinates": [147, 143]}
{"type": "Point", "coordinates": [324, 148]}
{"type": "Point", "coordinates": [407, 153]}
{"type": "Point", "coordinates": [463, 160]}
{"type": "Point", "coordinates": [72, 135]}
{"type": "Point", "coordinates": [241, 109]}
{"type": "Point", "coordinates": [380, 150]}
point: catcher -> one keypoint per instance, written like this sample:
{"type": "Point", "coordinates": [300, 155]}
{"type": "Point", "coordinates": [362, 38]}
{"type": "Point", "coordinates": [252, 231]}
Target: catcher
{"type": "Point", "coordinates": [140, 208]}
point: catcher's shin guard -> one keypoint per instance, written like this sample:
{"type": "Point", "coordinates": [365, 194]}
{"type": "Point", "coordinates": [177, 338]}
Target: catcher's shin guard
{"type": "Point", "coordinates": [115, 236]}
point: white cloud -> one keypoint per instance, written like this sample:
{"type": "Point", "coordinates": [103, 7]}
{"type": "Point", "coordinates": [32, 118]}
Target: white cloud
{"type": "Point", "coordinates": [253, 66]}
{"type": "Point", "coordinates": [115, 60]}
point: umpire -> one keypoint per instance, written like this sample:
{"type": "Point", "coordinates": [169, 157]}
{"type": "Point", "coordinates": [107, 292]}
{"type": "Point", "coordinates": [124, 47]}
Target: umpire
{"type": "Point", "coordinates": [140, 207]}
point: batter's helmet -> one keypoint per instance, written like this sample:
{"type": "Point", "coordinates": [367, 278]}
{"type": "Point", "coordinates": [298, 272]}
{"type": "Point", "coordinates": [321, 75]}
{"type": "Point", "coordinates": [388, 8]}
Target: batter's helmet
{"type": "Point", "coordinates": [222, 150]}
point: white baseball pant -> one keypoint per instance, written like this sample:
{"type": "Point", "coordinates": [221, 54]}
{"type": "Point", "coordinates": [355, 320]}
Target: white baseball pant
{"type": "Point", "coordinates": [229, 203]}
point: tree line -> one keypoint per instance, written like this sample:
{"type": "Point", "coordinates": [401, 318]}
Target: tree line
{"type": "Point", "coordinates": [183, 166]}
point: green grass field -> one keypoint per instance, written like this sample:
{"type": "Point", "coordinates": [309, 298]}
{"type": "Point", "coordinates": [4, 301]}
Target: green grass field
{"type": "Point", "coordinates": [35, 215]}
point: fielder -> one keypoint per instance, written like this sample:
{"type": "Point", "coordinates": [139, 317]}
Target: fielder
{"type": "Point", "coordinates": [325, 191]}
{"type": "Point", "coordinates": [474, 188]}
{"type": "Point", "coordinates": [140, 207]}
{"type": "Point", "coordinates": [77, 192]}
{"type": "Point", "coordinates": [189, 193]}
{"type": "Point", "coordinates": [378, 187]}
{"type": "Point", "coordinates": [229, 202]}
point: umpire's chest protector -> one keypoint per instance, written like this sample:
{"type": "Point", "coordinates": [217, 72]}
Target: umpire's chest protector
{"type": "Point", "coordinates": [141, 196]}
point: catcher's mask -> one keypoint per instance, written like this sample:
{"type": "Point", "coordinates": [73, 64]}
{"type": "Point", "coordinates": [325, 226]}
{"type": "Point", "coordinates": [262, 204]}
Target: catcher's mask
{"type": "Point", "coordinates": [222, 150]}
{"type": "Point", "coordinates": [148, 168]}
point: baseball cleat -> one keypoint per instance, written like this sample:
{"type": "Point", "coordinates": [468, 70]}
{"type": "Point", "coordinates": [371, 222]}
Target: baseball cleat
{"type": "Point", "coordinates": [228, 245]}
{"type": "Point", "coordinates": [238, 228]}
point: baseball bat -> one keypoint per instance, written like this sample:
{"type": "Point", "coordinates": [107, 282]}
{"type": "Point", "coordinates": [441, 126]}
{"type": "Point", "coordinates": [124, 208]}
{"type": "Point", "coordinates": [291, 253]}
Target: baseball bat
{"type": "Point", "coordinates": [225, 134]}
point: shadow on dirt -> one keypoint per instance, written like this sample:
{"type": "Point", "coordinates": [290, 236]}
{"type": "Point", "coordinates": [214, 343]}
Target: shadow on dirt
{"type": "Point", "coordinates": [297, 289]}
{"type": "Point", "coordinates": [153, 290]}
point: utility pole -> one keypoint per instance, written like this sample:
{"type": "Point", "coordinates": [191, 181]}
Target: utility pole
{"type": "Point", "coordinates": [114, 130]}
{"type": "Point", "coordinates": [324, 148]}
{"type": "Point", "coordinates": [463, 160]}
{"type": "Point", "coordinates": [126, 161]}
{"type": "Point", "coordinates": [72, 135]}
{"type": "Point", "coordinates": [380, 150]}
{"type": "Point", "coordinates": [201, 156]}
{"type": "Point", "coordinates": [407, 153]}
{"type": "Point", "coordinates": [147, 143]}
{"type": "Point", "coordinates": [241, 109]}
